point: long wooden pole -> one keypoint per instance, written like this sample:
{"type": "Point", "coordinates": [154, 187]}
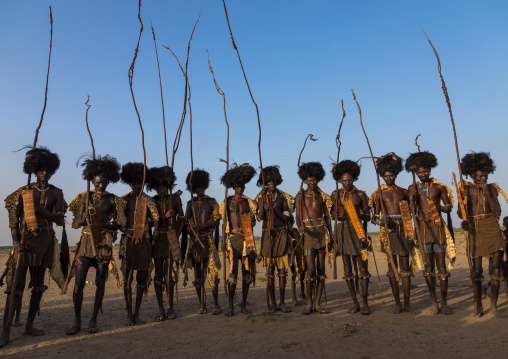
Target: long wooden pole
{"type": "Point", "coordinates": [23, 226]}
{"type": "Point", "coordinates": [383, 208]}
{"type": "Point", "coordinates": [461, 184]}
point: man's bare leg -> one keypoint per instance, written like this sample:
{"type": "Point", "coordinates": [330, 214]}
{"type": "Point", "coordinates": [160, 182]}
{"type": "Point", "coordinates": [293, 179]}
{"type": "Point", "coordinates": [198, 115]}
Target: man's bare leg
{"type": "Point", "coordinates": [283, 274]}
{"type": "Point", "coordinates": [270, 287]}
{"type": "Point", "coordinates": [17, 321]}
{"type": "Point", "coordinates": [394, 284]}
{"type": "Point", "coordinates": [349, 277]}
{"type": "Point", "coordinates": [495, 277]}
{"type": "Point", "coordinates": [215, 295]}
{"type": "Point", "coordinates": [141, 277]}
{"type": "Point", "coordinates": [311, 281]}
{"type": "Point", "coordinates": [364, 278]}
{"type": "Point", "coordinates": [320, 283]}
{"type": "Point", "coordinates": [430, 279]}
{"type": "Point", "coordinates": [478, 278]}
{"type": "Point", "coordinates": [35, 300]}
{"type": "Point", "coordinates": [246, 281]}
{"type": "Point", "coordinates": [77, 297]}
{"type": "Point", "coordinates": [405, 274]}
{"type": "Point", "coordinates": [443, 282]}
{"type": "Point", "coordinates": [157, 284]}
{"type": "Point", "coordinates": [100, 283]}
{"type": "Point", "coordinates": [171, 314]}
{"type": "Point", "coordinates": [127, 291]}
{"type": "Point", "coordinates": [232, 286]}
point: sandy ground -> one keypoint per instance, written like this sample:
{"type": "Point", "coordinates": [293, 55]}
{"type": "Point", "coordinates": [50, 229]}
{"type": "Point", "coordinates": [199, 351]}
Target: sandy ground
{"type": "Point", "coordinates": [263, 334]}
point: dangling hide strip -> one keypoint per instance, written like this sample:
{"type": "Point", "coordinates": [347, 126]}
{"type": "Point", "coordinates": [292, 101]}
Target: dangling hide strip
{"type": "Point", "coordinates": [29, 209]}
{"type": "Point", "coordinates": [406, 219]}
{"type": "Point", "coordinates": [434, 213]}
{"type": "Point", "coordinates": [247, 231]}
{"type": "Point", "coordinates": [139, 220]}
{"type": "Point", "coordinates": [174, 246]}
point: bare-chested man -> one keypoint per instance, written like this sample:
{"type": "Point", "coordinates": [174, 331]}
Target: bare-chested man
{"type": "Point", "coordinates": [428, 196]}
{"type": "Point", "coordinates": [203, 219]}
{"type": "Point", "coordinates": [276, 242]}
{"type": "Point", "coordinates": [171, 218]}
{"type": "Point", "coordinates": [232, 211]}
{"type": "Point", "coordinates": [36, 252]}
{"type": "Point", "coordinates": [313, 220]}
{"type": "Point", "coordinates": [111, 214]}
{"type": "Point", "coordinates": [136, 254]}
{"type": "Point", "coordinates": [348, 242]}
{"type": "Point", "coordinates": [388, 167]}
{"type": "Point", "coordinates": [485, 236]}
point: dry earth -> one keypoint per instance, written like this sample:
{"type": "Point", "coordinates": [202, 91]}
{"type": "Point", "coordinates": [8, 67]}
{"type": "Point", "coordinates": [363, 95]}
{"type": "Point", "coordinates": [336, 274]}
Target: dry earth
{"type": "Point", "coordinates": [263, 334]}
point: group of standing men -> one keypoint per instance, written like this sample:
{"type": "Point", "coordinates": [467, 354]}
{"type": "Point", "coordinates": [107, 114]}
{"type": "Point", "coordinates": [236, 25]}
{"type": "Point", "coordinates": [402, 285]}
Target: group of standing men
{"type": "Point", "coordinates": [156, 230]}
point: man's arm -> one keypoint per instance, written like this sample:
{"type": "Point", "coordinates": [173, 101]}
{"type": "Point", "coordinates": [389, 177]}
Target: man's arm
{"type": "Point", "coordinates": [447, 205]}
{"type": "Point", "coordinates": [493, 201]}
{"type": "Point", "coordinates": [179, 209]}
{"type": "Point", "coordinates": [365, 206]}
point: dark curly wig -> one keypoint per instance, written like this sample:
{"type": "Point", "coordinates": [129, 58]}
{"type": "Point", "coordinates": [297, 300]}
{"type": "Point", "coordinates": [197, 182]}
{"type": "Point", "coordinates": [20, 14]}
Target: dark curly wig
{"type": "Point", "coordinates": [346, 166]}
{"type": "Point", "coordinates": [157, 176]}
{"type": "Point", "coordinates": [477, 161]}
{"type": "Point", "coordinates": [132, 173]}
{"type": "Point", "coordinates": [389, 163]}
{"type": "Point", "coordinates": [102, 165]}
{"type": "Point", "coordinates": [271, 173]}
{"type": "Point", "coordinates": [238, 176]}
{"type": "Point", "coordinates": [422, 159]}
{"type": "Point", "coordinates": [39, 159]}
{"type": "Point", "coordinates": [200, 179]}
{"type": "Point", "coordinates": [311, 169]}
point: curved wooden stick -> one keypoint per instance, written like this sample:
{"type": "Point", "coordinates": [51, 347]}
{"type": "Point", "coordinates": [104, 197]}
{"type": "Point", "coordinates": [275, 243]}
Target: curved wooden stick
{"type": "Point", "coordinates": [162, 97]}
{"type": "Point", "coordinates": [225, 219]}
{"type": "Point", "coordinates": [131, 78]}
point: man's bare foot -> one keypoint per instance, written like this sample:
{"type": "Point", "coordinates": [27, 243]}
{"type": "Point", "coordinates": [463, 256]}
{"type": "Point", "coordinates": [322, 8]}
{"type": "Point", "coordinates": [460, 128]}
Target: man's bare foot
{"type": "Point", "coordinates": [282, 307]}
{"type": "Point", "coordinates": [303, 296]}
{"type": "Point", "coordinates": [230, 312]}
{"type": "Point", "coordinates": [397, 309]}
{"type": "Point", "coordinates": [320, 309]}
{"type": "Point", "coordinates": [434, 309]}
{"type": "Point", "coordinates": [5, 338]}
{"type": "Point", "coordinates": [93, 328]}
{"type": "Point", "coordinates": [161, 316]}
{"type": "Point", "coordinates": [138, 320]}
{"type": "Point", "coordinates": [478, 311]}
{"type": "Point", "coordinates": [484, 291]}
{"type": "Point", "coordinates": [17, 323]}
{"type": "Point", "coordinates": [171, 314]}
{"type": "Point", "coordinates": [32, 331]}
{"type": "Point", "coordinates": [216, 310]}
{"type": "Point", "coordinates": [445, 309]}
{"type": "Point", "coordinates": [365, 310]}
{"type": "Point", "coordinates": [407, 308]}
{"type": "Point", "coordinates": [244, 309]}
{"type": "Point", "coordinates": [295, 302]}
{"type": "Point", "coordinates": [496, 313]}
{"type": "Point", "coordinates": [354, 309]}
{"type": "Point", "coordinates": [74, 329]}
{"type": "Point", "coordinates": [308, 309]}
{"type": "Point", "coordinates": [202, 311]}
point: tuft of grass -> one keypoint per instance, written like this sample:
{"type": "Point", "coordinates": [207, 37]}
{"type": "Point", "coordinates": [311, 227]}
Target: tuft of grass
{"type": "Point", "coordinates": [289, 345]}
{"type": "Point", "coordinates": [261, 279]}
{"type": "Point", "coordinates": [417, 332]}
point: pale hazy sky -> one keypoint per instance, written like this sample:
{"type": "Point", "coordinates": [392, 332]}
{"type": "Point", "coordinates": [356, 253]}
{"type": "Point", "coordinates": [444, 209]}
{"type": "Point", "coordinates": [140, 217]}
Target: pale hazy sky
{"type": "Point", "coordinates": [301, 59]}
